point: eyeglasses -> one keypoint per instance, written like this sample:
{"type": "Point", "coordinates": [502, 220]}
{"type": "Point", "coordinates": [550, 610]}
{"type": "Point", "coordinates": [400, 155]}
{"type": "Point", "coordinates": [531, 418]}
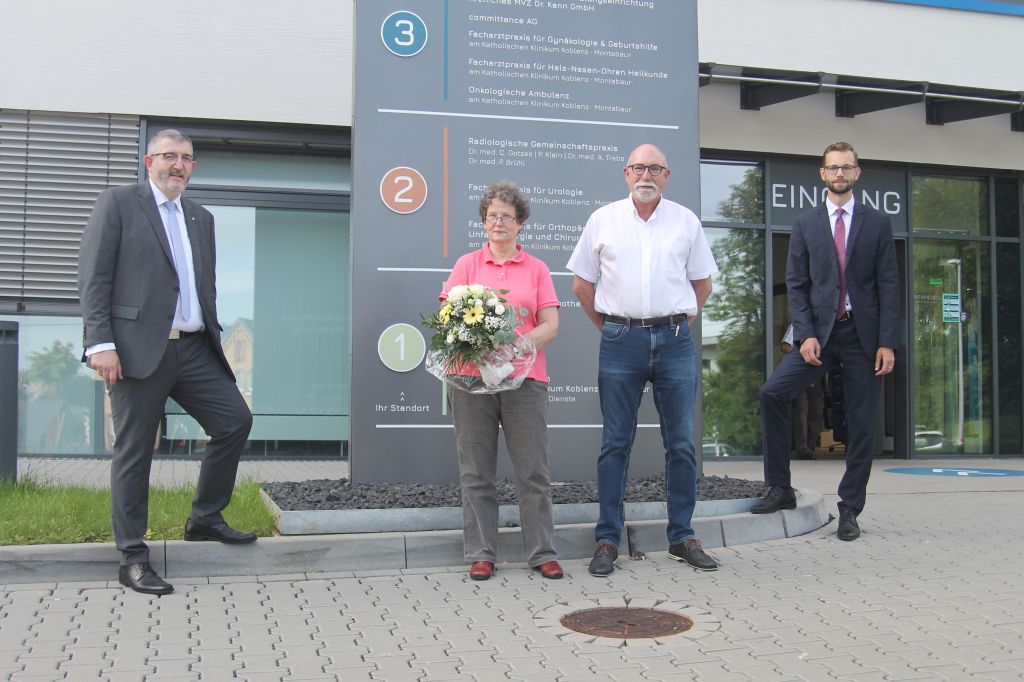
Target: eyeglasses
{"type": "Point", "coordinates": [638, 169]}
{"type": "Point", "coordinates": [494, 219]}
{"type": "Point", "coordinates": [171, 157]}
{"type": "Point", "coordinates": [834, 170]}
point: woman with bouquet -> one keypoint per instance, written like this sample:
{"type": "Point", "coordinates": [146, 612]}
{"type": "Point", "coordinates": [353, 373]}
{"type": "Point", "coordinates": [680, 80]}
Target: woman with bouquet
{"type": "Point", "coordinates": [502, 265]}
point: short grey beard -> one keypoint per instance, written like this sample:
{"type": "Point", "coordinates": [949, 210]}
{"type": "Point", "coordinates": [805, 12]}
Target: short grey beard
{"type": "Point", "coordinates": [646, 193]}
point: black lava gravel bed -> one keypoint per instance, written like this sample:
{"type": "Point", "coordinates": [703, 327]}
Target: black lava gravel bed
{"type": "Point", "coordinates": [325, 494]}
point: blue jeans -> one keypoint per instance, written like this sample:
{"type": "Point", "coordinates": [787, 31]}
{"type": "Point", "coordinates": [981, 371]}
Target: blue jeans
{"type": "Point", "coordinates": [630, 357]}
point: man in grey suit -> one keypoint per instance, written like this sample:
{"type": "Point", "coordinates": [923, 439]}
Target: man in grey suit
{"type": "Point", "coordinates": [148, 291]}
{"type": "Point", "coordinates": [843, 289]}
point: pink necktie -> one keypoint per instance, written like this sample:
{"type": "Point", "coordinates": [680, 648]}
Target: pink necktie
{"type": "Point", "coordinates": [840, 238]}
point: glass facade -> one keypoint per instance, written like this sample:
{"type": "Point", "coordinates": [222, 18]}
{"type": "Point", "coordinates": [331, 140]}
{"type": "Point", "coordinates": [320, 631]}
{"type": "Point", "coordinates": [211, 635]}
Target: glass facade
{"type": "Point", "coordinates": [282, 283]}
{"type": "Point", "coordinates": [732, 343]}
{"type": "Point", "coordinates": [282, 296]}
{"type": "Point", "coordinates": [950, 206]}
{"type": "Point", "coordinates": [282, 230]}
{"type": "Point", "coordinates": [60, 402]}
{"type": "Point", "coordinates": [1008, 203]}
{"type": "Point", "coordinates": [283, 244]}
{"type": "Point", "coordinates": [732, 193]}
{"type": "Point", "coordinates": [951, 379]}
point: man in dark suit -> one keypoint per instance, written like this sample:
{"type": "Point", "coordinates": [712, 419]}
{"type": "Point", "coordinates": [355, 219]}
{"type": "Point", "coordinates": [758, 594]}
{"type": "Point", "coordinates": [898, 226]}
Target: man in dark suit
{"type": "Point", "coordinates": [148, 292]}
{"type": "Point", "coordinates": [844, 303]}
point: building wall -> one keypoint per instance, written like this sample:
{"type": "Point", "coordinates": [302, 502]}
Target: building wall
{"type": "Point", "coordinates": [867, 38]}
{"type": "Point", "coordinates": [248, 60]}
{"type": "Point", "coordinates": [293, 62]}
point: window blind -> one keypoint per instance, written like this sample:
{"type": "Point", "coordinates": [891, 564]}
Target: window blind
{"type": "Point", "coordinates": [53, 166]}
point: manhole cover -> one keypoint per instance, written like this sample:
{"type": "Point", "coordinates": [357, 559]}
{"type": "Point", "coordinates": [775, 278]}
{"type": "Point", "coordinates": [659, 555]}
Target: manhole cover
{"type": "Point", "coordinates": [627, 623]}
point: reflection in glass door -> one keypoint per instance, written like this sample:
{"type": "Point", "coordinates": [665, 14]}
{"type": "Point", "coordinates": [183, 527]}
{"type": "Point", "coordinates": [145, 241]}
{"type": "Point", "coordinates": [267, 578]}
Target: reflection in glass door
{"type": "Point", "coordinates": [952, 374]}
{"type": "Point", "coordinates": [283, 300]}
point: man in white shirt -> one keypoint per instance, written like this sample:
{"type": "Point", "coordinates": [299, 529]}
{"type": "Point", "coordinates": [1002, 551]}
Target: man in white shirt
{"type": "Point", "coordinates": [643, 271]}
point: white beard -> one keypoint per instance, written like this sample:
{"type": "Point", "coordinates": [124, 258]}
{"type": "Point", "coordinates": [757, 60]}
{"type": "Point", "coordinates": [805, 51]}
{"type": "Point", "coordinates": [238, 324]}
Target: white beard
{"type": "Point", "coordinates": [645, 192]}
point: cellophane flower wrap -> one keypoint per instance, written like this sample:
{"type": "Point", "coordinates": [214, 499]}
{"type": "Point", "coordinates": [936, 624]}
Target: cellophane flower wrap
{"type": "Point", "coordinates": [475, 347]}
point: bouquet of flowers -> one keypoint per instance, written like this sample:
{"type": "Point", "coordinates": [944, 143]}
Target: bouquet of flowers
{"type": "Point", "coordinates": [475, 346]}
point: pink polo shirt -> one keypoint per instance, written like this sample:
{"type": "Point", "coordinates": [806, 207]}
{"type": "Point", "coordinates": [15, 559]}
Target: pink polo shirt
{"type": "Point", "coordinates": [529, 285]}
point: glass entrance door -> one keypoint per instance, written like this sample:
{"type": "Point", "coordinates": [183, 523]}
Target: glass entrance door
{"type": "Point", "coordinates": [821, 409]}
{"type": "Point", "coordinates": [951, 378]}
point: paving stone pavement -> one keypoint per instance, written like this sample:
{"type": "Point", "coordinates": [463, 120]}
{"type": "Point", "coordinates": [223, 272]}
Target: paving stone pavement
{"type": "Point", "coordinates": [933, 590]}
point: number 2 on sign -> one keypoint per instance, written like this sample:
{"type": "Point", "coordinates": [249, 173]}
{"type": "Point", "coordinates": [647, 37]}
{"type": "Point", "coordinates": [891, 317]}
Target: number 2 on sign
{"type": "Point", "coordinates": [403, 189]}
{"type": "Point", "coordinates": [399, 196]}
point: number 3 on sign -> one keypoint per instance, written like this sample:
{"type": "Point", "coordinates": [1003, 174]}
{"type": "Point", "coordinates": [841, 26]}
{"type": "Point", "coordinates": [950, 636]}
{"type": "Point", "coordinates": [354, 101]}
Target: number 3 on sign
{"type": "Point", "coordinates": [403, 190]}
{"type": "Point", "coordinates": [403, 33]}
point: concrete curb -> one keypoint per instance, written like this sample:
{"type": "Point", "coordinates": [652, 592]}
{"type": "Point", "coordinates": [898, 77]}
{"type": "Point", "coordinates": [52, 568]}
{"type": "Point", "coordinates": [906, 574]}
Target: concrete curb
{"type": "Point", "coordinates": [299, 555]}
{"type": "Point", "coordinates": [318, 522]}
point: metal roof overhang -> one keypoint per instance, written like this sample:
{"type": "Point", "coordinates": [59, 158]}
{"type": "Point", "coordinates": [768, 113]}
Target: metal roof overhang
{"type": "Point", "coordinates": [858, 95]}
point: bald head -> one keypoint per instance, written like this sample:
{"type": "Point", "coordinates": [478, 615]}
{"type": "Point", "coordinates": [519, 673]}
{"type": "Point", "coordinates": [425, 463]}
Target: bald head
{"type": "Point", "coordinates": [644, 153]}
{"type": "Point", "coordinates": [646, 186]}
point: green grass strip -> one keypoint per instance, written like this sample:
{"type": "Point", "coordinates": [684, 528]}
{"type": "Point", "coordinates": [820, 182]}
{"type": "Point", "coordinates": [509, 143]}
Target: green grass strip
{"type": "Point", "coordinates": [37, 513]}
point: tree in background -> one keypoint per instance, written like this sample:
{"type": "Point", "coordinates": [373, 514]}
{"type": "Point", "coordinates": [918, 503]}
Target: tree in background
{"type": "Point", "coordinates": [51, 368]}
{"type": "Point", "coordinates": [731, 410]}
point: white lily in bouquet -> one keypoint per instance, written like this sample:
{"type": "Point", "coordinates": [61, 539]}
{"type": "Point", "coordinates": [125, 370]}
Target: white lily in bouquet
{"type": "Point", "coordinates": [475, 346]}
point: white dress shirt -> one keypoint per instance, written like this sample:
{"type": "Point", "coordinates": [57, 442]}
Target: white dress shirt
{"type": "Point", "coordinates": [643, 268]}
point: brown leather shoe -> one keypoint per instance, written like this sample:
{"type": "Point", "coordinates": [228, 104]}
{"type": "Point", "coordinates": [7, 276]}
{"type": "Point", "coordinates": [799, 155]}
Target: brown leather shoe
{"type": "Point", "coordinates": [603, 562]}
{"type": "Point", "coordinates": [691, 552]}
{"type": "Point", "coordinates": [551, 570]}
{"type": "Point", "coordinates": [481, 570]}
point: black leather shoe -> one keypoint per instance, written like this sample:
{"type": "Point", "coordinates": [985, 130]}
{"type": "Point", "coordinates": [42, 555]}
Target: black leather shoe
{"type": "Point", "coordinates": [142, 578]}
{"type": "Point", "coordinates": [690, 552]}
{"type": "Point", "coordinates": [220, 532]}
{"type": "Point", "coordinates": [848, 528]}
{"type": "Point", "coordinates": [603, 562]}
{"type": "Point", "coordinates": [777, 498]}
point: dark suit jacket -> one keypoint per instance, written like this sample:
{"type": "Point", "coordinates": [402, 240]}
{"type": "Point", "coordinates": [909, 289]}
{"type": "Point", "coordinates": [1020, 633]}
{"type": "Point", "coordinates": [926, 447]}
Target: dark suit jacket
{"type": "Point", "coordinates": [127, 282]}
{"type": "Point", "coordinates": [872, 278]}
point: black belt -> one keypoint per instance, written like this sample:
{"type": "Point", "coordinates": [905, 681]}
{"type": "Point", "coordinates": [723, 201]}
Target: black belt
{"type": "Point", "coordinates": [678, 318]}
{"type": "Point", "coordinates": [178, 334]}
{"type": "Point", "coordinates": [845, 317]}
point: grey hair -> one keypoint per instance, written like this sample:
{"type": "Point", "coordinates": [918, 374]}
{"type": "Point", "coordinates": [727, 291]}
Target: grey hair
{"type": "Point", "coordinates": [169, 134]}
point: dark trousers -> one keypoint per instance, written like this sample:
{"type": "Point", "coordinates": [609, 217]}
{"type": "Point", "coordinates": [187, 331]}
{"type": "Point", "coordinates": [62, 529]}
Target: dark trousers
{"type": "Point", "coordinates": [191, 374]}
{"type": "Point", "coordinates": [861, 387]}
{"type": "Point", "coordinates": [807, 414]}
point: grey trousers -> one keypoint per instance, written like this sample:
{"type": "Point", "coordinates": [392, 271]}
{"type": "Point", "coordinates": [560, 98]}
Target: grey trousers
{"type": "Point", "coordinates": [523, 415]}
{"type": "Point", "coordinates": [191, 374]}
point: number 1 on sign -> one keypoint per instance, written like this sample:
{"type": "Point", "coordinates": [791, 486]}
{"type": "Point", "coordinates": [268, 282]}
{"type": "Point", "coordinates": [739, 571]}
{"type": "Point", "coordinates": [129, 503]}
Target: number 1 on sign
{"type": "Point", "coordinates": [400, 340]}
{"type": "Point", "coordinates": [401, 347]}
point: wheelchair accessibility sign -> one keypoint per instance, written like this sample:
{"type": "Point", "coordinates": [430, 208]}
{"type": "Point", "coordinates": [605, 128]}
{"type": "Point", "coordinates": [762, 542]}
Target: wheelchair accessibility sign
{"type": "Point", "coordinates": [936, 471]}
